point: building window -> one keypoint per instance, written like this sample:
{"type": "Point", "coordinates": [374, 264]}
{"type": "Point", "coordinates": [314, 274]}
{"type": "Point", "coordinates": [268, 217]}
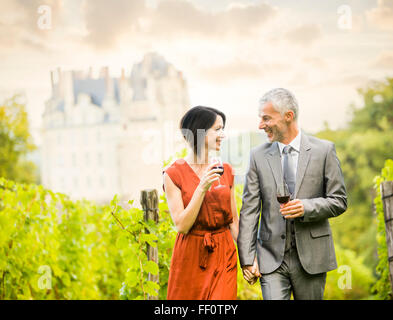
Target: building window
{"type": "Point", "coordinates": [87, 159]}
{"type": "Point", "coordinates": [88, 182]}
{"type": "Point", "coordinates": [100, 159]}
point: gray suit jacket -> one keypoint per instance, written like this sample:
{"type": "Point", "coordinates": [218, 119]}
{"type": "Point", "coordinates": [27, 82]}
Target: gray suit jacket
{"type": "Point", "coordinates": [320, 186]}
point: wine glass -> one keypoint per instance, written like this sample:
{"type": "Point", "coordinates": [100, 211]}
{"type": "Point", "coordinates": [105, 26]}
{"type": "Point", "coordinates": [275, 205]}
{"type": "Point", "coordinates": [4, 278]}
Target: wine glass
{"type": "Point", "coordinates": [219, 165]}
{"type": "Point", "coordinates": [283, 194]}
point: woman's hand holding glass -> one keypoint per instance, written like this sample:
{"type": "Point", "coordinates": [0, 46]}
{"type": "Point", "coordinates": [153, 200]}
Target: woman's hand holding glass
{"type": "Point", "coordinates": [210, 176]}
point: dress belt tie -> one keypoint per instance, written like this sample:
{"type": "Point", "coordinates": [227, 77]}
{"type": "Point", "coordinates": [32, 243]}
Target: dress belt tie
{"type": "Point", "coordinates": [208, 244]}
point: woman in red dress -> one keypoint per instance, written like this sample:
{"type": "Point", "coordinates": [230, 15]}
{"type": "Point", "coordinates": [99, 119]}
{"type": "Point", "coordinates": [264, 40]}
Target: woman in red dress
{"type": "Point", "coordinates": [204, 259]}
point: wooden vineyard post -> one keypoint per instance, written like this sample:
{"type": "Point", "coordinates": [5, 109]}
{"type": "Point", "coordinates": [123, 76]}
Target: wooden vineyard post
{"type": "Point", "coordinates": [387, 199]}
{"type": "Point", "coordinates": [149, 202]}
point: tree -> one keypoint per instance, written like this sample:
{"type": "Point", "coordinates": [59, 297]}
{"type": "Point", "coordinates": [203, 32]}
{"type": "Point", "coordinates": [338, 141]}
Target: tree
{"type": "Point", "coordinates": [16, 142]}
{"type": "Point", "coordinates": [382, 286]}
{"type": "Point", "coordinates": [362, 147]}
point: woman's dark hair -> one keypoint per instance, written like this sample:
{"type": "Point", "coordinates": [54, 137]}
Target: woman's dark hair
{"type": "Point", "coordinates": [196, 122]}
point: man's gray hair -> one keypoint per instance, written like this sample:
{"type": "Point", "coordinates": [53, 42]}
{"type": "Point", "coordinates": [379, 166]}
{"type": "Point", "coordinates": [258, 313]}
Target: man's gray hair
{"type": "Point", "coordinates": [282, 100]}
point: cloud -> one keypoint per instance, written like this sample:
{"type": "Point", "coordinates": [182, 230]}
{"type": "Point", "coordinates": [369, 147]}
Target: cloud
{"type": "Point", "coordinates": [106, 20]}
{"type": "Point", "coordinates": [315, 62]}
{"type": "Point", "coordinates": [244, 20]}
{"type": "Point", "coordinates": [20, 23]}
{"type": "Point", "coordinates": [358, 23]}
{"type": "Point", "coordinates": [304, 35]}
{"type": "Point", "coordinates": [103, 24]}
{"type": "Point", "coordinates": [352, 79]}
{"type": "Point", "coordinates": [382, 15]}
{"type": "Point", "coordinates": [175, 17]}
{"type": "Point", "coordinates": [239, 70]}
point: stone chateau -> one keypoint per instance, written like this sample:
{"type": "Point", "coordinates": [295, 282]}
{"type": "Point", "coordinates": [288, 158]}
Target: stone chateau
{"type": "Point", "coordinates": [105, 135]}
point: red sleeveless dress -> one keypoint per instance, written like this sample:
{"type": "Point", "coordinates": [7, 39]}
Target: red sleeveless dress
{"type": "Point", "coordinates": [204, 261]}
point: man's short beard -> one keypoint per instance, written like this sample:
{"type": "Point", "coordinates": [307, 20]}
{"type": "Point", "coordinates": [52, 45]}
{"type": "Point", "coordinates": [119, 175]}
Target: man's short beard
{"type": "Point", "coordinates": [278, 135]}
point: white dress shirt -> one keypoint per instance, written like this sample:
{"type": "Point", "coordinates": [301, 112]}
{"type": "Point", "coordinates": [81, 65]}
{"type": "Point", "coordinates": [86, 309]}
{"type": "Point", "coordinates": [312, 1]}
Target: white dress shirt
{"type": "Point", "coordinates": [295, 144]}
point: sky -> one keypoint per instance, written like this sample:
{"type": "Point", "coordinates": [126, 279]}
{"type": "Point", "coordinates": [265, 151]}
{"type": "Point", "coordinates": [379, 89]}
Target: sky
{"type": "Point", "coordinates": [230, 52]}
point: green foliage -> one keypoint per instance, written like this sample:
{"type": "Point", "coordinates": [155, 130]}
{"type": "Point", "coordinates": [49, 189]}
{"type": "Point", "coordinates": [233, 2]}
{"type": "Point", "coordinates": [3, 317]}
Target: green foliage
{"type": "Point", "coordinates": [362, 148]}
{"type": "Point", "coordinates": [377, 112]}
{"type": "Point", "coordinates": [179, 155]}
{"type": "Point", "coordinates": [16, 143]}
{"type": "Point", "coordinates": [245, 291]}
{"type": "Point", "coordinates": [382, 286]}
{"type": "Point", "coordinates": [351, 280]}
{"type": "Point", "coordinates": [55, 248]}
{"type": "Point", "coordinates": [132, 243]}
{"type": "Point", "coordinates": [167, 235]}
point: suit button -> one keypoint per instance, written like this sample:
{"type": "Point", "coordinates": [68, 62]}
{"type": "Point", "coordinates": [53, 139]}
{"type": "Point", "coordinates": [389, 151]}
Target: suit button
{"type": "Point", "coordinates": [283, 236]}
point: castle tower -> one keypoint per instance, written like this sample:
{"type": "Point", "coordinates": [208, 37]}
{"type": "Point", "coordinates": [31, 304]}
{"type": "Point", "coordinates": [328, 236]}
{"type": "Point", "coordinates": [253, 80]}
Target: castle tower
{"type": "Point", "coordinates": [114, 138]}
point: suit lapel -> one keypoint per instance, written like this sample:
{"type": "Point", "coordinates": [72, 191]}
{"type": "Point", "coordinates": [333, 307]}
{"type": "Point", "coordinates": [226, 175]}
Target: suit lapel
{"type": "Point", "coordinates": [273, 157]}
{"type": "Point", "coordinates": [304, 157]}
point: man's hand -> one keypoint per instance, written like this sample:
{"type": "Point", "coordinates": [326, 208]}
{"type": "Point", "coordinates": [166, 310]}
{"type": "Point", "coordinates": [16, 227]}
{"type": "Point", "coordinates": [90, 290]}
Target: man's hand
{"type": "Point", "coordinates": [251, 273]}
{"type": "Point", "coordinates": [292, 209]}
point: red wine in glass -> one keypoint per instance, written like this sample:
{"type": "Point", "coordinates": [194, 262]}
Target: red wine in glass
{"type": "Point", "coordinates": [283, 195]}
{"type": "Point", "coordinates": [283, 199]}
{"type": "Point", "coordinates": [218, 165]}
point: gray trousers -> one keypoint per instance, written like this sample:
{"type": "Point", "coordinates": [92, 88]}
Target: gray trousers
{"type": "Point", "coordinates": [289, 278]}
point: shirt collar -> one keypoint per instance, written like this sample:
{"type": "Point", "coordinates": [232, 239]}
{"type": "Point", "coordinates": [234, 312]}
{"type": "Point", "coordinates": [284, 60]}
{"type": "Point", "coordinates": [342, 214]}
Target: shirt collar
{"type": "Point", "coordinates": [295, 144]}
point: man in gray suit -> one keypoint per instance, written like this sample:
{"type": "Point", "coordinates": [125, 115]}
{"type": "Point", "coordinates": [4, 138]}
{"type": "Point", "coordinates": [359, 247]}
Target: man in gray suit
{"type": "Point", "coordinates": [292, 249]}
